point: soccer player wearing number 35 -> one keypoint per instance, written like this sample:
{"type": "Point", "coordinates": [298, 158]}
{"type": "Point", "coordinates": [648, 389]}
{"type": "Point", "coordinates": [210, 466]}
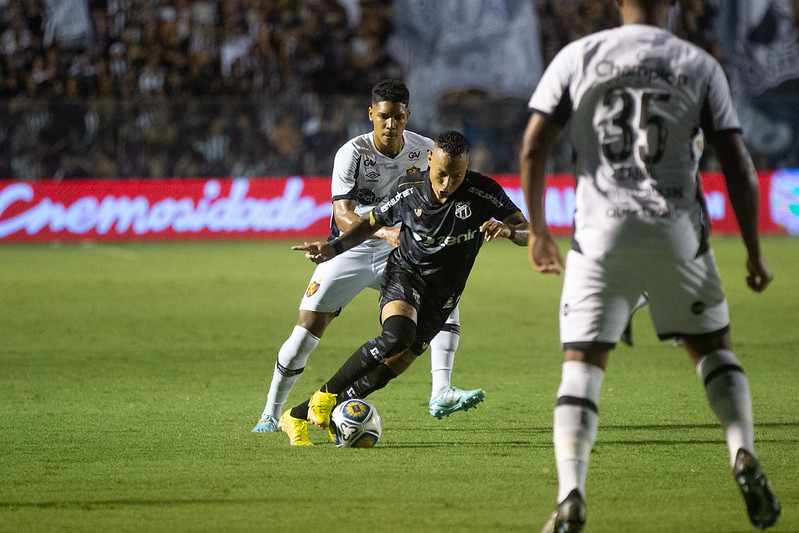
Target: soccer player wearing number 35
{"type": "Point", "coordinates": [633, 99]}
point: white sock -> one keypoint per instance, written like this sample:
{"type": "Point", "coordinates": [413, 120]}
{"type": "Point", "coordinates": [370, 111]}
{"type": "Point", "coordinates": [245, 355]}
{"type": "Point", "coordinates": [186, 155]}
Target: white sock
{"type": "Point", "coordinates": [728, 394]}
{"type": "Point", "coordinates": [575, 424]}
{"type": "Point", "coordinates": [442, 354]}
{"type": "Point", "coordinates": [291, 361]}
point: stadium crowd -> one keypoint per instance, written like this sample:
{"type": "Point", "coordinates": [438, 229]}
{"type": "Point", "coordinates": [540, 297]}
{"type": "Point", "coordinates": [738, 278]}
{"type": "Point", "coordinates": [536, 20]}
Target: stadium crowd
{"type": "Point", "coordinates": [161, 88]}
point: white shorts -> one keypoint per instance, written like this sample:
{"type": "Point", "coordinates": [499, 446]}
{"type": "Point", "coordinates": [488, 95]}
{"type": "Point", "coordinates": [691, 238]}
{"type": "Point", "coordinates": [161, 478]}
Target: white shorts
{"type": "Point", "coordinates": [685, 297]}
{"type": "Point", "coordinates": [336, 282]}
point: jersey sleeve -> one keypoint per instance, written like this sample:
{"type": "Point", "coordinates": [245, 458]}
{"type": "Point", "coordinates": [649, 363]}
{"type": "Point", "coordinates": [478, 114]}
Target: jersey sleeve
{"type": "Point", "coordinates": [718, 113]}
{"type": "Point", "coordinates": [508, 207]}
{"type": "Point", "coordinates": [344, 184]}
{"type": "Point", "coordinates": [551, 97]}
{"type": "Point", "coordinates": [387, 212]}
{"type": "Point", "coordinates": [501, 206]}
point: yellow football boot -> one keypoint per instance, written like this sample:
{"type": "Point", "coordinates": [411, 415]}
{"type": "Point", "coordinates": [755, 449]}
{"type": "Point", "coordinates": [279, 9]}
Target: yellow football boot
{"type": "Point", "coordinates": [320, 406]}
{"type": "Point", "coordinates": [295, 428]}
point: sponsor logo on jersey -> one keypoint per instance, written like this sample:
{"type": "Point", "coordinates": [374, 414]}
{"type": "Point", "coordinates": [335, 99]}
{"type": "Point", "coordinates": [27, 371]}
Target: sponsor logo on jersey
{"type": "Point", "coordinates": [445, 240]}
{"type": "Point", "coordinates": [417, 212]}
{"type": "Point", "coordinates": [399, 196]}
{"type": "Point", "coordinates": [609, 69]}
{"type": "Point", "coordinates": [414, 154]}
{"type": "Point", "coordinates": [369, 163]}
{"type": "Point", "coordinates": [698, 308]}
{"type": "Point", "coordinates": [312, 288]}
{"type": "Point", "coordinates": [482, 194]}
{"type": "Point", "coordinates": [372, 175]}
{"type": "Point", "coordinates": [366, 197]}
{"type": "Point", "coordinates": [463, 210]}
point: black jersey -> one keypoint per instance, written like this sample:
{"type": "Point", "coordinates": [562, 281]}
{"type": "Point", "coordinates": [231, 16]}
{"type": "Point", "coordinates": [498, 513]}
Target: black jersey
{"type": "Point", "coordinates": [441, 241]}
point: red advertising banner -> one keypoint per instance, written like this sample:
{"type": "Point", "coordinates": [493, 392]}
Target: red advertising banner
{"type": "Point", "coordinates": [281, 208]}
{"type": "Point", "coordinates": [165, 209]}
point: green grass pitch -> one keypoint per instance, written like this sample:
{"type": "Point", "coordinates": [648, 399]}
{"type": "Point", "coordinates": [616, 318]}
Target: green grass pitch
{"type": "Point", "coordinates": [132, 374]}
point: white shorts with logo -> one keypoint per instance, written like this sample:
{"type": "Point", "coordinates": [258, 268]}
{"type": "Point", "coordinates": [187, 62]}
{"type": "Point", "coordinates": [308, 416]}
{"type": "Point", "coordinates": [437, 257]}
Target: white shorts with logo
{"type": "Point", "coordinates": [336, 282]}
{"type": "Point", "coordinates": [685, 297]}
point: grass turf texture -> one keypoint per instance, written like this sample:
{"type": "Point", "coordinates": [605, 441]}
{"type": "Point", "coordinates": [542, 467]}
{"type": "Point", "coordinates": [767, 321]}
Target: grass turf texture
{"type": "Point", "coordinates": [131, 375]}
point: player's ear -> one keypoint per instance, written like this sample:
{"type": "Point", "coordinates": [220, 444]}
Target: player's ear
{"type": "Point", "coordinates": [429, 157]}
{"type": "Point", "coordinates": [371, 117]}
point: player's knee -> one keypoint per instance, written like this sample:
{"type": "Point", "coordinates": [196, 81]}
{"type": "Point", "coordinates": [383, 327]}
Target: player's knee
{"type": "Point", "coordinates": [398, 334]}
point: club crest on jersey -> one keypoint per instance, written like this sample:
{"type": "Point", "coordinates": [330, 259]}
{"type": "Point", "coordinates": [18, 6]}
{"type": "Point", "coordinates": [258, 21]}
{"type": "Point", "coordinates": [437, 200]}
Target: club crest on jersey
{"type": "Point", "coordinates": [412, 168]}
{"type": "Point", "coordinates": [463, 210]}
{"type": "Point", "coordinates": [312, 288]}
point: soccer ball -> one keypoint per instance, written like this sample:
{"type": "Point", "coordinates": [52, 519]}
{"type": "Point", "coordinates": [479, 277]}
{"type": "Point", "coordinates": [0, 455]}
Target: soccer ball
{"type": "Point", "coordinates": [355, 424]}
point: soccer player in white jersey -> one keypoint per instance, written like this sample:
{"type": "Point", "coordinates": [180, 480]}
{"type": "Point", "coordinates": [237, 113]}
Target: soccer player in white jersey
{"type": "Point", "coordinates": [633, 99]}
{"type": "Point", "coordinates": [365, 171]}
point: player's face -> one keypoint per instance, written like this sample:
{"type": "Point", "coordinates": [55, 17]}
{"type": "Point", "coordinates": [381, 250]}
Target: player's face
{"type": "Point", "coordinates": [447, 172]}
{"type": "Point", "coordinates": [389, 120]}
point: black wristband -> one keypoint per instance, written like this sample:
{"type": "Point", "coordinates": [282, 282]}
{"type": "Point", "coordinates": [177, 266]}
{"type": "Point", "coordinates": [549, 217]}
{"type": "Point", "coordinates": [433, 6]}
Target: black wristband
{"type": "Point", "coordinates": [512, 233]}
{"type": "Point", "coordinates": [337, 246]}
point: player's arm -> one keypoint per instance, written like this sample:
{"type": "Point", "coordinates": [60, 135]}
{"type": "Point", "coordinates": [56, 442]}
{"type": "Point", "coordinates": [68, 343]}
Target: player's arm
{"type": "Point", "coordinates": [358, 231]}
{"type": "Point", "coordinates": [539, 136]}
{"type": "Point", "coordinates": [514, 228]}
{"type": "Point", "coordinates": [742, 187]}
{"type": "Point", "coordinates": [346, 217]}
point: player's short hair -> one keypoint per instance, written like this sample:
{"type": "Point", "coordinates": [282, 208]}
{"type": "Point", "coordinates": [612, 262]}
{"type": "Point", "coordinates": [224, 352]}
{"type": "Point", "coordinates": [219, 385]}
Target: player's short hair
{"type": "Point", "coordinates": [453, 143]}
{"type": "Point", "coordinates": [390, 90]}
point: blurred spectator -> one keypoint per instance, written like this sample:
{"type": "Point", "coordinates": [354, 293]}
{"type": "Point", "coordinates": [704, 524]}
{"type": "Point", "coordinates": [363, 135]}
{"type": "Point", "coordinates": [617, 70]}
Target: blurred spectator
{"type": "Point", "coordinates": [134, 88]}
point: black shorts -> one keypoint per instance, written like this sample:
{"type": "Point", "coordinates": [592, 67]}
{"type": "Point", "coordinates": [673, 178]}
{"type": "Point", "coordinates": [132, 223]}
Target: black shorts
{"type": "Point", "coordinates": [432, 302]}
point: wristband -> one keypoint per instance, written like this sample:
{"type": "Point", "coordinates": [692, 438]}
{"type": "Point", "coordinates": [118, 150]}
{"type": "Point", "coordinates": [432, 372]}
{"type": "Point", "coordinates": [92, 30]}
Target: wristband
{"type": "Point", "coordinates": [337, 246]}
{"type": "Point", "coordinates": [512, 233]}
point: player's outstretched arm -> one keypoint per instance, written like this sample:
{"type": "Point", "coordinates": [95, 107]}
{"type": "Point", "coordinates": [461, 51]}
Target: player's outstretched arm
{"type": "Point", "coordinates": [319, 252]}
{"type": "Point", "coordinates": [346, 217]}
{"type": "Point", "coordinates": [742, 187]}
{"type": "Point", "coordinates": [514, 228]}
{"type": "Point", "coordinates": [539, 136]}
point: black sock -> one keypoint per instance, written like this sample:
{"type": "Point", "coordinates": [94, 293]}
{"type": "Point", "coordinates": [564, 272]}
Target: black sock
{"type": "Point", "coordinates": [375, 380]}
{"type": "Point", "coordinates": [300, 411]}
{"type": "Point", "coordinates": [398, 333]}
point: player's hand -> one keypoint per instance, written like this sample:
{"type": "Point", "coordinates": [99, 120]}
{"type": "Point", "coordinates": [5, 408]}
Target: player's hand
{"type": "Point", "coordinates": [759, 273]}
{"type": "Point", "coordinates": [390, 235]}
{"type": "Point", "coordinates": [318, 252]}
{"type": "Point", "coordinates": [545, 255]}
{"type": "Point", "coordinates": [491, 229]}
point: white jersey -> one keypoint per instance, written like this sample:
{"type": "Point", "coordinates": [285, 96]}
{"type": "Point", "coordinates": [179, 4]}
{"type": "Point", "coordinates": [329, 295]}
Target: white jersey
{"type": "Point", "coordinates": [362, 173]}
{"type": "Point", "coordinates": [638, 99]}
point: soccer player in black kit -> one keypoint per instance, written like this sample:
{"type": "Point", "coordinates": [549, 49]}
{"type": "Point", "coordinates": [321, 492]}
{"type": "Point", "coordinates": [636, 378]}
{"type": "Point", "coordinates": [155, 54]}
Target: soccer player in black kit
{"type": "Point", "coordinates": [446, 214]}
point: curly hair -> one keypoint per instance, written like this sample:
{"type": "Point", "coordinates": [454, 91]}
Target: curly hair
{"type": "Point", "coordinates": [453, 143]}
{"type": "Point", "coordinates": [389, 90]}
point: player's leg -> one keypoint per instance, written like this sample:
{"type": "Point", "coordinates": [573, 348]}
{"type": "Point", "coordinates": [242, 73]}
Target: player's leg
{"type": "Point", "coordinates": [694, 285]}
{"type": "Point", "coordinates": [290, 363]}
{"type": "Point", "coordinates": [399, 329]}
{"type": "Point", "coordinates": [727, 390]}
{"type": "Point", "coordinates": [379, 376]}
{"type": "Point", "coordinates": [596, 303]}
{"type": "Point", "coordinates": [333, 285]}
{"type": "Point", "coordinates": [444, 398]}
{"type": "Point", "coordinates": [575, 423]}
{"type": "Point", "coordinates": [442, 353]}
